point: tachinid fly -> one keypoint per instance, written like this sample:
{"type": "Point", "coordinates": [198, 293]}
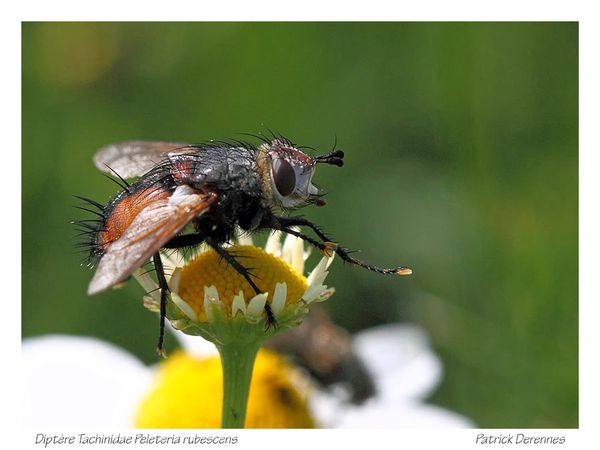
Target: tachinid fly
{"type": "Point", "coordinates": [215, 187]}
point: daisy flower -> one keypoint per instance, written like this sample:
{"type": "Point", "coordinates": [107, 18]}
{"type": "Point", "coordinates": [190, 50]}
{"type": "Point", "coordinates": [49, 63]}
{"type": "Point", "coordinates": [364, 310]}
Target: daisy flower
{"type": "Point", "coordinates": [210, 298]}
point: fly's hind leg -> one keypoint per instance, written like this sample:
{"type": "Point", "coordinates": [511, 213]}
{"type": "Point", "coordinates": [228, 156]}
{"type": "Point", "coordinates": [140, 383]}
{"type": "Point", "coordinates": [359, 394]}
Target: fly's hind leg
{"type": "Point", "coordinates": [181, 241]}
{"type": "Point", "coordinates": [164, 292]}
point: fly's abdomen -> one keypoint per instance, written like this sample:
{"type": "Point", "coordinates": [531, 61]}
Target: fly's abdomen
{"type": "Point", "coordinates": [122, 211]}
{"type": "Point", "coordinates": [118, 214]}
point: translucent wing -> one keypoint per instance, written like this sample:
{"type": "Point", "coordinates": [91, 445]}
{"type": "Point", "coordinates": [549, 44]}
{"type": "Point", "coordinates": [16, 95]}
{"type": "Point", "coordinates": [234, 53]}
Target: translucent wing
{"type": "Point", "coordinates": [135, 158]}
{"type": "Point", "coordinates": [149, 231]}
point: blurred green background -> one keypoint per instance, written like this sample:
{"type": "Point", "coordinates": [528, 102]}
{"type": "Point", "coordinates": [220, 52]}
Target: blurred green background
{"type": "Point", "coordinates": [462, 163]}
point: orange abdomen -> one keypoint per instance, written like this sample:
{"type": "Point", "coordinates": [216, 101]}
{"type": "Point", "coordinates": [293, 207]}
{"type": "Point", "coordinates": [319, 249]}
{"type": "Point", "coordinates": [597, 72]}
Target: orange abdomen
{"type": "Point", "coordinates": [126, 209]}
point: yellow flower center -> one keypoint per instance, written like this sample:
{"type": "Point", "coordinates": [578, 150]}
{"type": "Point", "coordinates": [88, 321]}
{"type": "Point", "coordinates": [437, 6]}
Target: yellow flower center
{"type": "Point", "coordinates": [209, 269]}
{"type": "Point", "coordinates": [189, 393]}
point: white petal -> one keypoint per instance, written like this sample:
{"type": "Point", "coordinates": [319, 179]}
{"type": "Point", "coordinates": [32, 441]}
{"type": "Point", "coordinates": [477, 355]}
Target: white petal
{"type": "Point", "coordinates": [174, 281]}
{"type": "Point", "coordinates": [400, 360]}
{"type": "Point", "coordinates": [279, 297]}
{"type": "Point", "coordinates": [325, 294]}
{"type": "Point", "coordinates": [330, 260]}
{"type": "Point", "coordinates": [319, 271]}
{"type": "Point", "coordinates": [211, 293]}
{"type": "Point", "coordinates": [151, 303]}
{"type": "Point", "coordinates": [374, 414]}
{"type": "Point", "coordinates": [307, 252]}
{"type": "Point", "coordinates": [313, 293]}
{"type": "Point", "coordinates": [243, 238]}
{"type": "Point", "coordinates": [211, 302]}
{"type": "Point", "coordinates": [315, 280]}
{"type": "Point", "coordinates": [184, 306]}
{"type": "Point", "coordinates": [319, 279]}
{"type": "Point", "coordinates": [289, 244]}
{"type": "Point", "coordinates": [273, 245]}
{"type": "Point", "coordinates": [238, 304]}
{"type": "Point", "coordinates": [80, 382]}
{"type": "Point", "coordinates": [147, 283]}
{"type": "Point", "coordinates": [256, 306]}
{"type": "Point", "coordinates": [172, 260]}
{"type": "Point", "coordinates": [298, 255]}
{"type": "Point", "coordinates": [326, 407]}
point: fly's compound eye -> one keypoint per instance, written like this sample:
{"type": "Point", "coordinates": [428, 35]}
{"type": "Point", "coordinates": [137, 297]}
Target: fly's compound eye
{"type": "Point", "coordinates": [284, 177]}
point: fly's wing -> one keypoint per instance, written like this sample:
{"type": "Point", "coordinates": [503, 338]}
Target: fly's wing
{"type": "Point", "coordinates": [149, 231]}
{"type": "Point", "coordinates": [135, 158]}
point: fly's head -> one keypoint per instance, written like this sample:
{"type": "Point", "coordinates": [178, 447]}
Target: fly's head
{"type": "Point", "coordinates": [287, 173]}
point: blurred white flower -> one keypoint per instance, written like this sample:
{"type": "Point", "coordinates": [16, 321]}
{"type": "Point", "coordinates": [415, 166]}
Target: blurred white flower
{"type": "Point", "coordinates": [405, 372]}
{"type": "Point", "coordinates": [81, 382]}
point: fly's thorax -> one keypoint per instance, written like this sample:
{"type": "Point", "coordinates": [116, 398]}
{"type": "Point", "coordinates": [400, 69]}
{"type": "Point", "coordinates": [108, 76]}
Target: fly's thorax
{"type": "Point", "coordinates": [225, 170]}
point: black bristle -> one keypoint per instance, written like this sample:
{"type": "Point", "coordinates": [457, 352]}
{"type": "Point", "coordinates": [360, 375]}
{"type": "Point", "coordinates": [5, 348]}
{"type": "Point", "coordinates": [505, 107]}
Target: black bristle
{"type": "Point", "coordinates": [97, 213]}
{"type": "Point", "coordinates": [124, 184]}
{"type": "Point", "coordinates": [87, 231]}
{"type": "Point", "coordinates": [117, 182]}
{"type": "Point", "coordinates": [100, 206]}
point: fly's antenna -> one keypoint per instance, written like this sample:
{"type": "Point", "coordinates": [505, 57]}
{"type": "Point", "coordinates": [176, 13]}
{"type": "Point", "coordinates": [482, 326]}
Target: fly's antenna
{"type": "Point", "coordinates": [335, 158]}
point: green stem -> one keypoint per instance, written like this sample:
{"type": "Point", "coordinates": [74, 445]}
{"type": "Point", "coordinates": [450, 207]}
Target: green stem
{"type": "Point", "coordinates": [237, 361]}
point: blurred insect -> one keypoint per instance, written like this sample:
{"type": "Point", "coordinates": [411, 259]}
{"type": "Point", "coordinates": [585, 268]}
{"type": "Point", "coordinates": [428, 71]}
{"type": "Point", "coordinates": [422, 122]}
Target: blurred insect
{"type": "Point", "coordinates": [326, 351]}
{"type": "Point", "coordinates": [216, 187]}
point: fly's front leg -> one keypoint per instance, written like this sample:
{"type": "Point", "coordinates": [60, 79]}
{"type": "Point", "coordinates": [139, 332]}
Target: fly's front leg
{"type": "Point", "coordinates": [302, 222]}
{"type": "Point", "coordinates": [327, 246]}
